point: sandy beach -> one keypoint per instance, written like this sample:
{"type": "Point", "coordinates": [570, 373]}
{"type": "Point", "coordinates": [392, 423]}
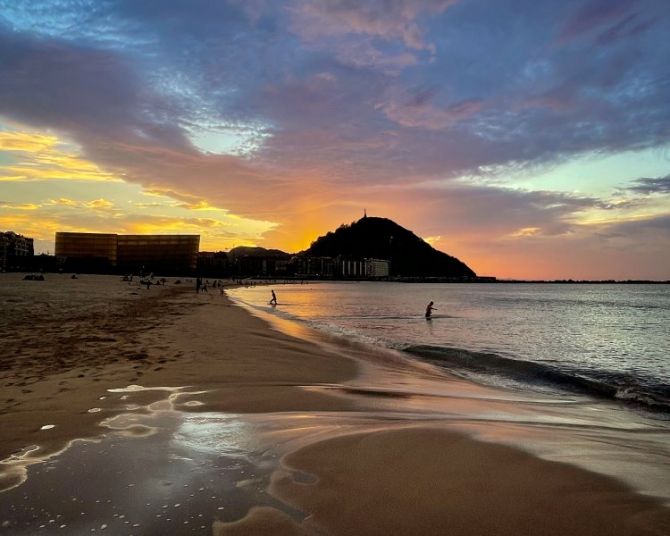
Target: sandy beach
{"type": "Point", "coordinates": [283, 434]}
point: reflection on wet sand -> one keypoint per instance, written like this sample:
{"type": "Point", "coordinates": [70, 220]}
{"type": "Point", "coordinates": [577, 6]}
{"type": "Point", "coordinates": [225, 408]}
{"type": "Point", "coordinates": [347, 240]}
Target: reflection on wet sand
{"type": "Point", "coordinates": [152, 471]}
{"type": "Point", "coordinates": [203, 471]}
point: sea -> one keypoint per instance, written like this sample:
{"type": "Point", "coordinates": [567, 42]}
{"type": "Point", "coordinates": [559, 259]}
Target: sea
{"type": "Point", "coordinates": [609, 341]}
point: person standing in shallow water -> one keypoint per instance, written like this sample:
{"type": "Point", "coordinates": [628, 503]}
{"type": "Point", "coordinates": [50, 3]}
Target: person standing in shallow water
{"type": "Point", "coordinates": [273, 301]}
{"type": "Point", "coordinates": [429, 310]}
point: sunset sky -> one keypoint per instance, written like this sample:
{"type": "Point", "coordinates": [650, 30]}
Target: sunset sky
{"type": "Point", "coordinates": [529, 138]}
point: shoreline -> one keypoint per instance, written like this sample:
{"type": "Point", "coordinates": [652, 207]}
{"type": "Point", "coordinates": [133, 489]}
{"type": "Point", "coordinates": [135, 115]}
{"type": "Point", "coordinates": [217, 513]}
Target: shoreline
{"type": "Point", "coordinates": [309, 404]}
{"type": "Point", "coordinates": [491, 357]}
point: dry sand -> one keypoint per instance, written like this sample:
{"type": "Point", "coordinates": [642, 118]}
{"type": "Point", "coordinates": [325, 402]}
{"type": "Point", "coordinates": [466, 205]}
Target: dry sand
{"type": "Point", "coordinates": [64, 342]}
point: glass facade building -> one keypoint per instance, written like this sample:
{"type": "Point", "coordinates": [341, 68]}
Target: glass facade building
{"type": "Point", "coordinates": [158, 253]}
{"type": "Point", "coordinates": [92, 246]}
{"type": "Point", "coordinates": [168, 254]}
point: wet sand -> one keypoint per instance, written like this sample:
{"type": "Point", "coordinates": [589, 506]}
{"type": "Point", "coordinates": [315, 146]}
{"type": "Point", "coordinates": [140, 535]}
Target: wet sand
{"type": "Point", "coordinates": [334, 444]}
{"type": "Point", "coordinates": [429, 481]}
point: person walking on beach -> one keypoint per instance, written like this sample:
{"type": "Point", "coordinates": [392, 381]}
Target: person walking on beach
{"type": "Point", "coordinates": [429, 310]}
{"type": "Point", "coordinates": [273, 301]}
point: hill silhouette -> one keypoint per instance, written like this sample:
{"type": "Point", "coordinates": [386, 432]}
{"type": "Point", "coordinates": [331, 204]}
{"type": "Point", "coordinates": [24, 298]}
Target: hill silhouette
{"type": "Point", "coordinates": [254, 251]}
{"type": "Point", "coordinates": [382, 238]}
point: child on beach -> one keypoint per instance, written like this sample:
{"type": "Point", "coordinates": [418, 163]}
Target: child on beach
{"type": "Point", "coordinates": [273, 301]}
{"type": "Point", "coordinates": [429, 310]}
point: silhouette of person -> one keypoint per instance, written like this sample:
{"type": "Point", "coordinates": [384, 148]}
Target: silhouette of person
{"type": "Point", "coordinates": [429, 310]}
{"type": "Point", "coordinates": [273, 301]}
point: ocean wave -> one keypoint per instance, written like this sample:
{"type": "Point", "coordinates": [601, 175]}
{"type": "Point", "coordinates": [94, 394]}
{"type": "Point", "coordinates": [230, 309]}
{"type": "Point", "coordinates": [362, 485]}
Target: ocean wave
{"type": "Point", "coordinates": [490, 367]}
{"type": "Point", "coordinates": [610, 385]}
{"type": "Point", "coordinates": [584, 302]}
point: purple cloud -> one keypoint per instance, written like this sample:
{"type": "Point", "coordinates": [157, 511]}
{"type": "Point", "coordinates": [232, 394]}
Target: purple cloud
{"type": "Point", "coordinates": [593, 15]}
{"type": "Point", "coordinates": [658, 185]}
{"type": "Point", "coordinates": [384, 19]}
{"type": "Point", "coordinates": [630, 26]}
{"type": "Point", "coordinates": [82, 91]}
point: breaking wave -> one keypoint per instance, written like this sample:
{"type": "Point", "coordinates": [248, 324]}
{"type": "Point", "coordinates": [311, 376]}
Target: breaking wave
{"type": "Point", "coordinates": [603, 384]}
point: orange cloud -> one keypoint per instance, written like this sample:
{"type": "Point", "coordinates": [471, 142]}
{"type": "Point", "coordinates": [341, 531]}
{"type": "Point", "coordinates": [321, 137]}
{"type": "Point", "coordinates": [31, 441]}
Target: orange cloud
{"type": "Point", "coordinates": [526, 231]}
{"type": "Point", "coordinates": [26, 141]}
{"type": "Point", "coordinates": [40, 229]}
{"type": "Point", "coordinates": [39, 157]}
{"type": "Point", "coordinates": [100, 204]}
{"type": "Point", "coordinates": [63, 201]}
{"type": "Point", "coordinates": [19, 206]}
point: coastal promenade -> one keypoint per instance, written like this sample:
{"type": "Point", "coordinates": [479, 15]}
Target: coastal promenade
{"type": "Point", "coordinates": [153, 411]}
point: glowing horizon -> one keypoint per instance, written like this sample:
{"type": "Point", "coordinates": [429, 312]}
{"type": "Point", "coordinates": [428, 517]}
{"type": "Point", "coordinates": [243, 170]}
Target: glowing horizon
{"type": "Point", "coordinates": [549, 160]}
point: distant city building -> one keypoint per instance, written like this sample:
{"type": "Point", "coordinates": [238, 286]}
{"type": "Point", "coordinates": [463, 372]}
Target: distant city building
{"type": "Point", "coordinates": [256, 266]}
{"type": "Point", "coordinates": [132, 253]}
{"type": "Point", "coordinates": [376, 268]}
{"type": "Point", "coordinates": [352, 268]}
{"type": "Point", "coordinates": [14, 248]}
{"type": "Point", "coordinates": [345, 268]}
{"type": "Point", "coordinates": [257, 262]}
{"type": "Point", "coordinates": [315, 266]}
{"type": "Point", "coordinates": [365, 268]}
{"type": "Point", "coordinates": [213, 264]}
{"type": "Point", "coordinates": [282, 267]}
